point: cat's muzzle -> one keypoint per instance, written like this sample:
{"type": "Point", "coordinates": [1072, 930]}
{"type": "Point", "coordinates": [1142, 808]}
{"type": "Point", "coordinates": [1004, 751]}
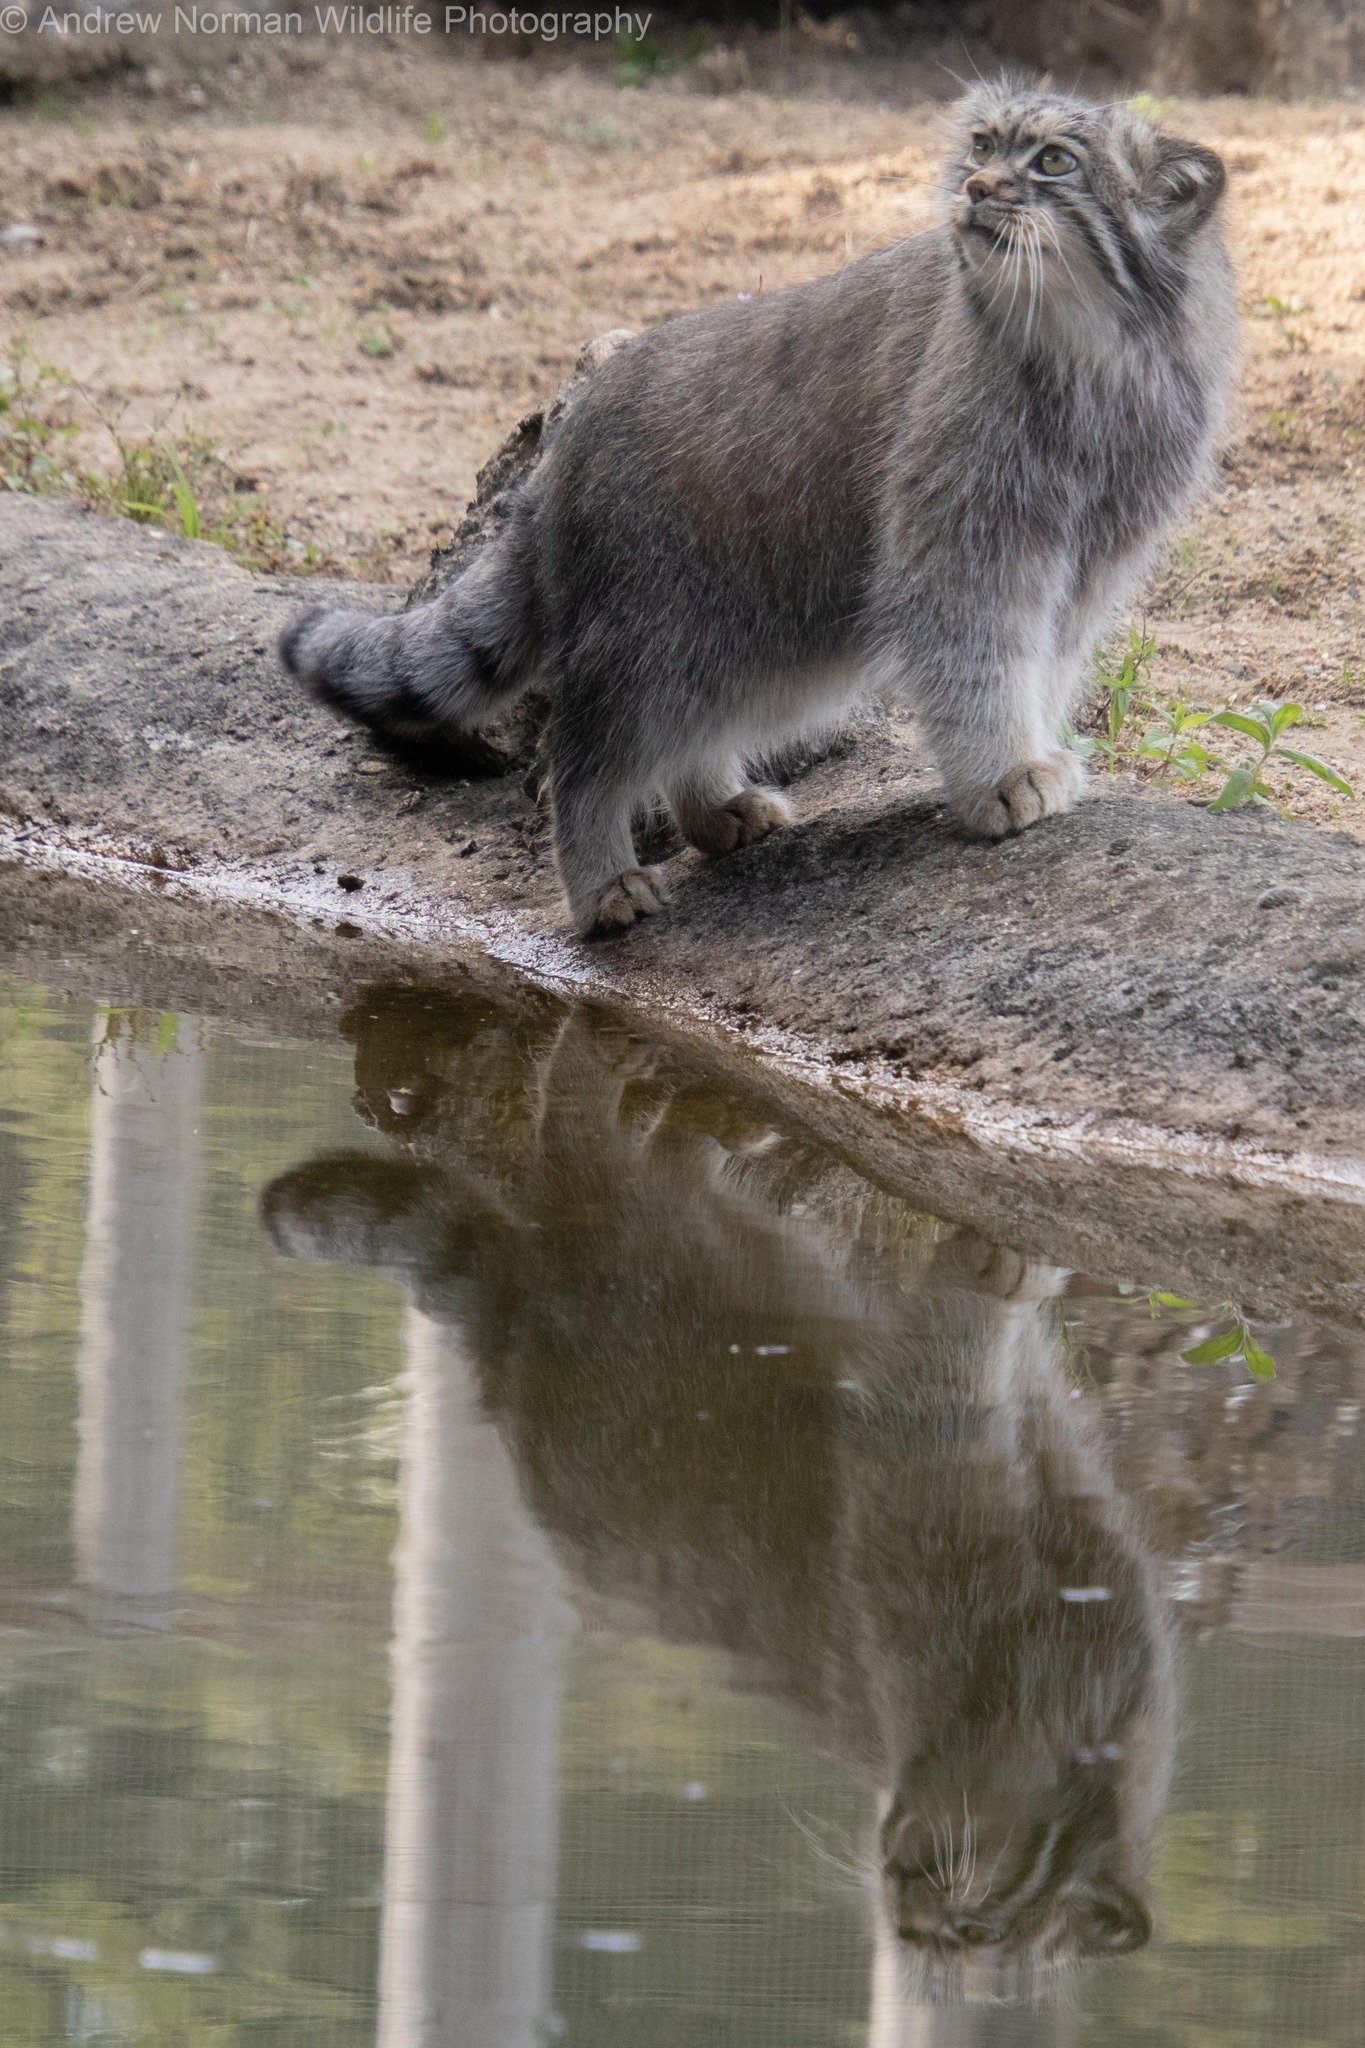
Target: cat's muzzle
{"type": "Point", "coordinates": [993, 220]}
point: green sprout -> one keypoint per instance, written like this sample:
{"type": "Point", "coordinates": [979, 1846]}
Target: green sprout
{"type": "Point", "coordinates": [1263, 724]}
{"type": "Point", "coordinates": [1124, 687]}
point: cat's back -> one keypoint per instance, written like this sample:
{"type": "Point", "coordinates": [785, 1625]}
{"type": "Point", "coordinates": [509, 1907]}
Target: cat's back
{"type": "Point", "coordinates": [772, 405]}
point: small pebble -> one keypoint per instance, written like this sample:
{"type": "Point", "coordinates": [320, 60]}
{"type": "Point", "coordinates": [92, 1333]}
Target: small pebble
{"type": "Point", "coordinates": [350, 883]}
{"type": "Point", "coordinates": [1277, 899]}
{"type": "Point", "coordinates": [22, 234]}
{"type": "Point", "coordinates": [470, 846]}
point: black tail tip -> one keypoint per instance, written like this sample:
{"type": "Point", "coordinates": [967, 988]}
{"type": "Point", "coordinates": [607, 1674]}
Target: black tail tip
{"type": "Point", "coordinates": [292, 643]}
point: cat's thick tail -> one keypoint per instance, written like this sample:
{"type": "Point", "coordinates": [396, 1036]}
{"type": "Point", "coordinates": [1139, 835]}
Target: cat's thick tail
{"type": "Point", "coordinates": [448, 666]}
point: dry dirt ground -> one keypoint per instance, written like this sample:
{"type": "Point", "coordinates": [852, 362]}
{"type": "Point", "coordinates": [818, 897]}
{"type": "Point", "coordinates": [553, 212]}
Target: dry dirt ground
{"type": "Point", "coordinates": [348, 268]}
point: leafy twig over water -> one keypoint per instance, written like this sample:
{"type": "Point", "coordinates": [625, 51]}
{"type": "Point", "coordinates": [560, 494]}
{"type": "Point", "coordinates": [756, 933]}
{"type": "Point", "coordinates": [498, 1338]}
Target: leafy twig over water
{"type": "Point", "coordinates": [1235, 1343]}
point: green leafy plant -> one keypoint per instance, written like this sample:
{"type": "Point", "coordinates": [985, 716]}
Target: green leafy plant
{"type": "Point", "coordinates": [178, 484]}
{"type": "Point", "coordinates": [254, 536]}
{"type": "Point", "coordinates": [30, 437]}
{"type": "Point", "coordinates": [1281, 311]}
{"type": "Point", "coordinates": [150, 484]}
{"type": "Point", "coordinates": [434, 129]}
{"type": "Point", "coordinates": [186, 504]}
{"type": "Point", "coordinates": [1123, 687]}
{"type": "Point", "coordinates": [1235, 1343]}
{"type": "Point", "coordinates": [1174, 735]}
{"type": "Point", "coordinates": [1263, 725]}
{"type": "Point", "coordinates": [1170, 741]}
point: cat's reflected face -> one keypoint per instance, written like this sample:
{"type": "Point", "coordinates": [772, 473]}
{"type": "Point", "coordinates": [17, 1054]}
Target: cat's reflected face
{"type": "Point", "coordinates": [1021, 1855]}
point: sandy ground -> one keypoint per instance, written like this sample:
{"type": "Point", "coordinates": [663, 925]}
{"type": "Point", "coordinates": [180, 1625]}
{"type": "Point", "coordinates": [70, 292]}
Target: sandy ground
{"type": "Point", "coordinates": [354, 307]}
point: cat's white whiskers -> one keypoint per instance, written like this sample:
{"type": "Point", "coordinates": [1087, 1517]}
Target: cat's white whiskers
{"type": "Point", "coordinates": [968, 1870]}
{"type": "Point", "coordinates": [1046, 221]}
{"type": "Point", "coordinates": [941, 1877]}
{"type": "Point", "coordinates": [856, 1866]}
{"type": "Point", "coordinates": [1036, 260]}
{"type": "Point", "coordinates": [1001, 275]}
{"type": "Point", "coordinates": [1010, 271]}
{"type": "Point", "coordinates": [1019, 245]}
{"type": "Point", "coordinates": [1026, 243]}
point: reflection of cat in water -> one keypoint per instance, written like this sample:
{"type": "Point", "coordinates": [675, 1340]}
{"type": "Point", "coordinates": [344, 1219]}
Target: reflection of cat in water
{"type": "Point", "coordinates": [759, 1406]}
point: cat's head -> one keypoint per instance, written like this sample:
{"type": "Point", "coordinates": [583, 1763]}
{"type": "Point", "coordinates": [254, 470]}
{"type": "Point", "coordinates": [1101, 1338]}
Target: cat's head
{"type": "Point", "coordinates": [1019, 1860]}
{"type": "Point", "coordinates": [1070, 216]}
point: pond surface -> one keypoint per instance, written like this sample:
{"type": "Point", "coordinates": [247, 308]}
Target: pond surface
{"type": "Point", "coordinates": [499, 1545]}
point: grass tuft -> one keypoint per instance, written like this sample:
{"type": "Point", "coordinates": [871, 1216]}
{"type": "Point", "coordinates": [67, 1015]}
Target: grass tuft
{"type": "Point", "coordinates": [179, 484]}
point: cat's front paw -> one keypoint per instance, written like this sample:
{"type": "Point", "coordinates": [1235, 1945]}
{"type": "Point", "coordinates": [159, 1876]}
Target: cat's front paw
{"type": "Point", "coordinates": [1034, 790]}
{"type": "Point", "coordinates": [637, 892]}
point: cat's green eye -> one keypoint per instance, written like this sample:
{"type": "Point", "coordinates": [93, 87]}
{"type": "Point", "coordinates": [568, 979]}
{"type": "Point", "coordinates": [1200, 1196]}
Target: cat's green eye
{"type": "Point", "coordinates": [1055, 163]}
{"type": "Point", "coordinates": [983, 149]}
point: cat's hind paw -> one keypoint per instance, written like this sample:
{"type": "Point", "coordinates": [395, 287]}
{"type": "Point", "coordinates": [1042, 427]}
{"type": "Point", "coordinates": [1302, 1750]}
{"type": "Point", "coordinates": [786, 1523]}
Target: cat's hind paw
{"type": "Point", "coordinates": [636, 892]}
{"type": "Point", "coordinates": [741, 821]}
{"type": "Point", "coordinates": [1030, 792]}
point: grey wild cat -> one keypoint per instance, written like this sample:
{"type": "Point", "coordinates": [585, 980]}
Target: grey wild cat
{"type": "Point", "coordinates": [937, 474]}
{"type": "Point", "coordinates": [757, 1405]}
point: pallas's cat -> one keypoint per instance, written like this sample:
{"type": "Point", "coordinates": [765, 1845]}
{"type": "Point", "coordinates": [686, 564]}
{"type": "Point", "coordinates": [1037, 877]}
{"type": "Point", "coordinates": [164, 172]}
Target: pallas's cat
{"type": "Point", "coordinates": [936, 474]}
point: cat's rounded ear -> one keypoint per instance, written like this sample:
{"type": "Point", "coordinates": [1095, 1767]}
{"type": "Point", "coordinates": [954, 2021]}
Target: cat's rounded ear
{"type": "Point", "coordinates": [1185, 183]}
{"type": "Point", "coordinates": [1114, 1919]}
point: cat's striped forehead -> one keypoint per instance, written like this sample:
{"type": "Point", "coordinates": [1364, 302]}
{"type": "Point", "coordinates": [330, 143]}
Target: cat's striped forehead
{"type": "Point", "coordinates": [1022, 119]}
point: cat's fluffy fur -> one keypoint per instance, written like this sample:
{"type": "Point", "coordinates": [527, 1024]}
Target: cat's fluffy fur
{"type": "Point", "coordinates": [938, 472]}
{"type": "Point", "coordinates": [756, 1405]}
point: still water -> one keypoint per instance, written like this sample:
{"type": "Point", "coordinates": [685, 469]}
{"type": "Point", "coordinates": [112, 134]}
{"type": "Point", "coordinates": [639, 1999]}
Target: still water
{"type": "Point", "coordinates": [499, 1545]}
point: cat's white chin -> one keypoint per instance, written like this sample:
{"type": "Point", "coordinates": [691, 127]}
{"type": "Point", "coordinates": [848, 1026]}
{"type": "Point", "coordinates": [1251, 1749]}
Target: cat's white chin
{"type": "Point", "coordinates": [1027, 794]}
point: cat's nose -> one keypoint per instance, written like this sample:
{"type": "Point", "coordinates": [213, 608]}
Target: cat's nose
{"type": "Point", "coordinates": [979, 187]}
